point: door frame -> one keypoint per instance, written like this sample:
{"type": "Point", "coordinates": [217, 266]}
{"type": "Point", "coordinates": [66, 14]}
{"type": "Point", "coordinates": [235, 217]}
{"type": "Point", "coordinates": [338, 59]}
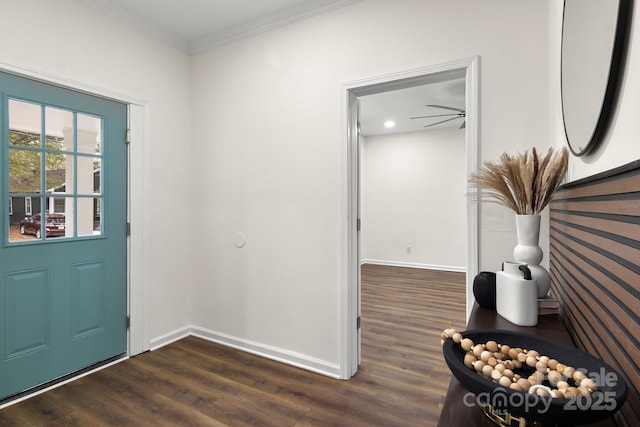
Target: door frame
{"type": "Point", "coordinates": [350, 260]}
{"type": "Point", "coordinates": [138, 203]}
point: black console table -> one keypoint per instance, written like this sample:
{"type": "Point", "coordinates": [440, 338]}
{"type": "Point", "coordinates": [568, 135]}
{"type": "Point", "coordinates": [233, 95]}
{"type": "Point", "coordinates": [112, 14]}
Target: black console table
{"type": "Point", "coordinates": [454, 411]}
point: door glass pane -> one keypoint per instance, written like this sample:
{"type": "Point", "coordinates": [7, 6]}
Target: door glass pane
{"type": "Point", "coordinates": [59, 129]}
{"type": "Point", "coordinates": [58, 173]}
{"type": "Point", "coordinates": [69, 216]}
{"type": "Point", "coordinates": [87, 176]}
{"type": "Point", "coordinates": [86, 216]}
{"type": "Point", "coordinates": [57, 216]}
{"type": "Point", "coordinates": [97, 179]}
{"type": "Point", "coordinates": [89, 134]}
{"type": "Point", "coordinates": [55, 225]}
{"type": "Point", "coordinates": [24, 171]}
{"type": "Point", "coordinates": [24, 123]}
{"type": "Point", "coordinates": [97, 220]}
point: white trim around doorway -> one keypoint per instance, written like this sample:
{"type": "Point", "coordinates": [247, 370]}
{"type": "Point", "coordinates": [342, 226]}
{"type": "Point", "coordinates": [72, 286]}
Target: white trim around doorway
{"type": "Point", "coordinates": [350, 262]}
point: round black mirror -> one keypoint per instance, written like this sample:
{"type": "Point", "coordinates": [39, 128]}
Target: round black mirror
{"type": "Point", "coordinates": [593, 33]}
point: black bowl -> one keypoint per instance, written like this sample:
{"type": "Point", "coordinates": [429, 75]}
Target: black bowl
{"type": "Point", "coordinates": [611, 394]}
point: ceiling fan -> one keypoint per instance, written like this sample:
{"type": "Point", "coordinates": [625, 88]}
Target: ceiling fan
{"type": "Point", "coordinates": [459, 114]}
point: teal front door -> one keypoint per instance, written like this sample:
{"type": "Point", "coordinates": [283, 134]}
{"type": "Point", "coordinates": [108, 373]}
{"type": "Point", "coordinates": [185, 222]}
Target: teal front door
{"type": "Point", "coordinates": [63, 290]}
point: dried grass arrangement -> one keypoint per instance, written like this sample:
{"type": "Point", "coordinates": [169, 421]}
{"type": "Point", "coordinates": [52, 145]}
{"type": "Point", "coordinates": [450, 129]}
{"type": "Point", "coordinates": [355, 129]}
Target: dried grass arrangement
{"type": "Point", "coordinates": [524, 183]}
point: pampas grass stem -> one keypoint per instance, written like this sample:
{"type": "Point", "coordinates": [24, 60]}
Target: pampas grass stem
{"type": "Point", "coordinates": [524, 183]}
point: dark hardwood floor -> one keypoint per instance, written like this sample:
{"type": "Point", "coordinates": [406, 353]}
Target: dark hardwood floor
{"type": "Point", "coordinates": [193, 382]}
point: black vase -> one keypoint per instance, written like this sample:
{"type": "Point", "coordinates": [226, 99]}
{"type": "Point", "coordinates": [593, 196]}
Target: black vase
{"type": "Point", "coordinates": [484, 289]}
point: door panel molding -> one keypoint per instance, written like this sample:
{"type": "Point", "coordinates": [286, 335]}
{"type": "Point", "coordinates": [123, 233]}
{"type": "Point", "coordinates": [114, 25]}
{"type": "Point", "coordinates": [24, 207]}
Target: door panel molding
{"type": "Point", "coordinates": [23, 287]}
{"type": "Point", "coordinates": [88, 313]}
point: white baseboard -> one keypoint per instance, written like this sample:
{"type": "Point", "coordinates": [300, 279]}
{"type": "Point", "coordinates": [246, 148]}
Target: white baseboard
{"type": "Point", "coordinates": [414, 265]}
{"type": "Point", "coordinates": [167, 339]}
{"type": "Point", "coordinates": [284, 356]}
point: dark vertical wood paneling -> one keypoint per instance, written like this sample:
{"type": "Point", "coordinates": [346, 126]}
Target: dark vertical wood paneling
{"type": "Point", "coordinates": [595, 271]}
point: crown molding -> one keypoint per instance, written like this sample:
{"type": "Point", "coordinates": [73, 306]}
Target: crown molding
{"type": "Point", "coordinates": [216, 39]}
{"type": "Point", "coordinates": [125, 17]}
{"type": "Point", "coordinates": [262, 25]}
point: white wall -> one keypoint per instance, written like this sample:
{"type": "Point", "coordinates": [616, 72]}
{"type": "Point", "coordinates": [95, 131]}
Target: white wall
{"type": "Point", "coordinates": [266, 151]}
{"type": "Point", "coordinates": [63, 39]}
{"type": "Point", "coordinates": [413, 194]}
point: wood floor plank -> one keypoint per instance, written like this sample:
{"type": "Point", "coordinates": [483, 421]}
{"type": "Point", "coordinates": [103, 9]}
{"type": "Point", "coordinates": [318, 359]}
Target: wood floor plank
{"type": "Point", "coordinates": [401, 382]}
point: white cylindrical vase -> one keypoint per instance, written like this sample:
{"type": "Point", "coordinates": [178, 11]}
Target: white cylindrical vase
{"type": "Point", "coordinates": [528, 251]}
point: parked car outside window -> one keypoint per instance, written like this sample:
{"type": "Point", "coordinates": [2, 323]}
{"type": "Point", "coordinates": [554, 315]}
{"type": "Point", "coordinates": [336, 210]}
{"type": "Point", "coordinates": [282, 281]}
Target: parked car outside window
{"type": "Point", "coordinates": [32, 225]}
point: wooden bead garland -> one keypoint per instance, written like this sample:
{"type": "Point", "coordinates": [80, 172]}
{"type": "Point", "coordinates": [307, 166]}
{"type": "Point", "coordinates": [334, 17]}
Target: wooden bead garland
{"type": "Point", "coordinates": [498, 363]}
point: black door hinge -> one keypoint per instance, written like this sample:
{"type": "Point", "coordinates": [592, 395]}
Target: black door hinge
{"type": "Point", "coordinates": [358, 321]}
{"type": "Point", "coordinates": [128, 321]}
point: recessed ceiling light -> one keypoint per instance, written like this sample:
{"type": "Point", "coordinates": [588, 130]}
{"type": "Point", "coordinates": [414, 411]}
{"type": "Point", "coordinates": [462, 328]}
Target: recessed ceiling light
{"type": "Point", "coordinates": [389, 124]}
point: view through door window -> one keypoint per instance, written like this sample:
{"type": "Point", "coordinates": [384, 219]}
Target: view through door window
{"type": "Point", "coordinates": [54, 169]}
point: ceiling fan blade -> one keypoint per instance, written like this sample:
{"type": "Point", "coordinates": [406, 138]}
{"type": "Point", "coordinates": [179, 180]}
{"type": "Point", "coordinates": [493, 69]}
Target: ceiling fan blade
{"type": "Point", "coordinates": [442, 121]}
{"type": "Point", "coordinates": [436, 115]}
{"type": "Point", "coordinates": [445, 107]}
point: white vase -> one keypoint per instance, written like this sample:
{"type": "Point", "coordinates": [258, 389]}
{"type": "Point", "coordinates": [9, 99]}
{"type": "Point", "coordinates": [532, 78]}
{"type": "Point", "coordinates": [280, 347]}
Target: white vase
{"type": "Point", "coordinates": [528, 251]}
{"type": "Point", "coordinates": [516, 294]}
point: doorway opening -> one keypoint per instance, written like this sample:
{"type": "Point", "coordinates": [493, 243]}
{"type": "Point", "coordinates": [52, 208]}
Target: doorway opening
{"type": "Point", "coordinates": [352, 93]}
